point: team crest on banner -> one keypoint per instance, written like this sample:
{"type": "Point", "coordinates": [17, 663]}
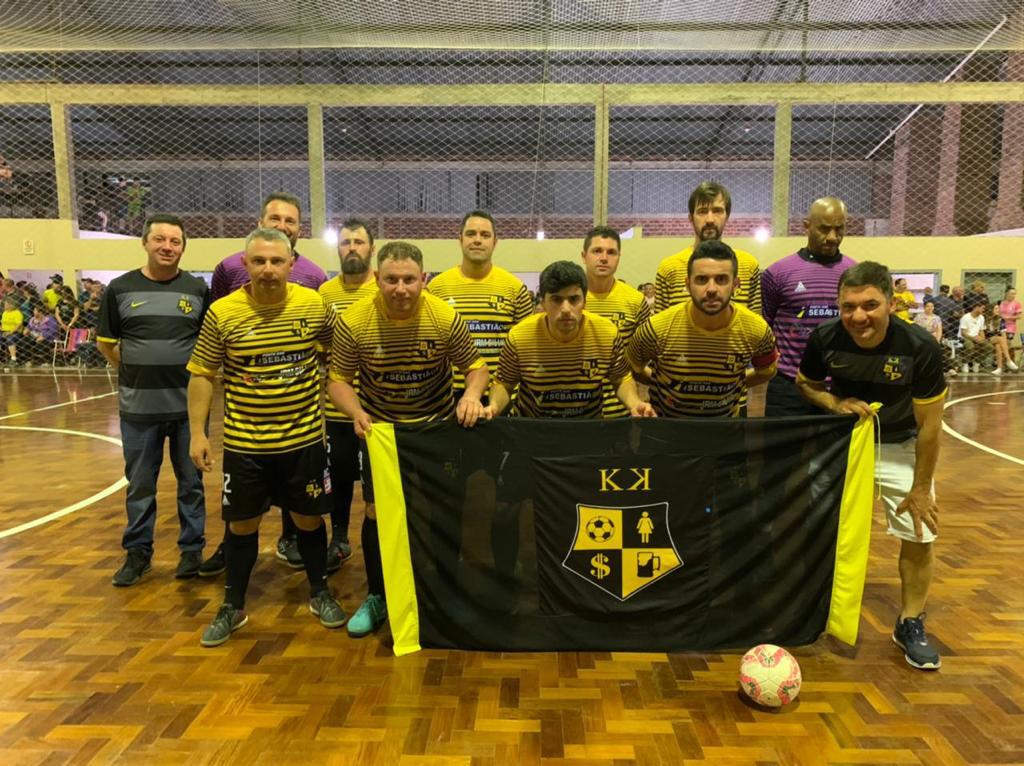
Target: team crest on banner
{"type": "Point", "coordinates": [622, 550]}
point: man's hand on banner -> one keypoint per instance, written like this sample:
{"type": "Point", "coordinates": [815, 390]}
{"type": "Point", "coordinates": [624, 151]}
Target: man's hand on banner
{"type": "Point", "coordinates": [643, 410]}
{"type": "Point", "coordinates": [921, 506]}
{"type": "Point", "coordinates": [469, 411]}
{"type": "Point", "coordinates": [363, 424]}
{"type": "Point", "coordinates": [853, 406]}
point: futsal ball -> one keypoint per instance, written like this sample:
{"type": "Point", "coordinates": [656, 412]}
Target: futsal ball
{"type": "Point", "coordinates": [600, 529]}
{"type": "Point", "coordinates": [770, 675]}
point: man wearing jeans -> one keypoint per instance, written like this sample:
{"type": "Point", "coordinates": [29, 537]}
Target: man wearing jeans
{"type": "Point", "coordinates": [149, 321]}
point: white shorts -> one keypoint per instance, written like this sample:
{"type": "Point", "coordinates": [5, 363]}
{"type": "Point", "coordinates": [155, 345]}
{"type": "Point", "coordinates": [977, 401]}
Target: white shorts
{"type": "Point", "coordinates": [895, 476]}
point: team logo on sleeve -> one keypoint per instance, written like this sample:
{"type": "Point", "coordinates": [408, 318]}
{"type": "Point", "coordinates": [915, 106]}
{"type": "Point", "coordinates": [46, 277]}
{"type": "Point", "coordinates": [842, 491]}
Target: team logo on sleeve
{"type": "Point", "coordinates": [300, 328]}
{"type": "Point", "coordinates": [622, 550]}
{"type": "Point", "coordinates": [185, 305]}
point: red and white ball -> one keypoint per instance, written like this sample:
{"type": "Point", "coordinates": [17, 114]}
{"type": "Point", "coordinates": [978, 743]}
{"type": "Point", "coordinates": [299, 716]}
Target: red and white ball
{"type": "Point", "coordinates": [770, 675]}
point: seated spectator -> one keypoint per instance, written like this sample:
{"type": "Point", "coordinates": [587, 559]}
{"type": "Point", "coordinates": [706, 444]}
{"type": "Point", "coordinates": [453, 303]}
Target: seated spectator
{"type": "Point", "coordinates": [996, 334]}
{"type": "Point", "coordinates": [975, 296]}
{"type": "Point", "coordinates": [51, 295]}
{"type": "Point", "coordinates": [11, 324]}
{"type": "Point", "coordinates": [42, 332]}
{"type": "Point", "coordinates": [1010, 310]}
{"type": "Point", "coordinates": [949, 311]}
{"type": "Point", "coordinates": [972, 335]}
{"type": "Point", "coordinates": [930, 321]}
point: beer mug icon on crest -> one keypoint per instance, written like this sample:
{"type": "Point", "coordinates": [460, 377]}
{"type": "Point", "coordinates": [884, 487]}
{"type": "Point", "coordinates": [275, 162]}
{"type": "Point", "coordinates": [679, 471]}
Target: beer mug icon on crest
{"type": "Point", "coordinates": [647, 564]}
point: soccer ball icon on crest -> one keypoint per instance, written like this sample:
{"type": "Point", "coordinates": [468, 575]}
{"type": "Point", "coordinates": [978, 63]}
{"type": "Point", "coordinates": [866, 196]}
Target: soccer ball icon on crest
{"type": "Point", "coordinates": [600, 529]}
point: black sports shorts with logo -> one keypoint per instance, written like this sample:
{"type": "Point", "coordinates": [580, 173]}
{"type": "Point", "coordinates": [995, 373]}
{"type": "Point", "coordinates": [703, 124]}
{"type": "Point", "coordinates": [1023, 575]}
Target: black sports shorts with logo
{"type": "Point", "coordinates": [299, 480]}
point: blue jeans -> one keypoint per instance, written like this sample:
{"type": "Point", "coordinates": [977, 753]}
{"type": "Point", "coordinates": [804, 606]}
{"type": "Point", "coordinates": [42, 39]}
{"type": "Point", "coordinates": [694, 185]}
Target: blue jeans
{"type": "Point", "coordinates": [143, 454]}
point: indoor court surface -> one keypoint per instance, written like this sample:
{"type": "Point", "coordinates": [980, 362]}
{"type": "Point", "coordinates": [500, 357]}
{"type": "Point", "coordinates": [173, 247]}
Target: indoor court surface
{"type": "Point", "coordinates": [94, 674]}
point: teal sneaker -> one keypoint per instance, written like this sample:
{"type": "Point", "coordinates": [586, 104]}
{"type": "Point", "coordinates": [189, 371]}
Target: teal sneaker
{"type": "Point", "coordinates": [368, 617]}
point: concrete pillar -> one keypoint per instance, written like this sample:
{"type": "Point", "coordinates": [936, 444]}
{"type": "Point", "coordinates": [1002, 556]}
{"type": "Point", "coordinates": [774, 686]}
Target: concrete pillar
{"type": "Point", "coordinates": [914, 181]}
{"type": "Point", "coordinates": [1009, 209]}
{"type": "Point", "coordinates": [949, 154]}
{"type": "Point", "coordinates": [979, 136]}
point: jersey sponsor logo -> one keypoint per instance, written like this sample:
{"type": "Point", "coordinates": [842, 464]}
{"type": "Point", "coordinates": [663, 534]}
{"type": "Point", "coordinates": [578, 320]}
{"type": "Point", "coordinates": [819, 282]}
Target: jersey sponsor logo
{"type": "Point", "coordinates": [185, 305]}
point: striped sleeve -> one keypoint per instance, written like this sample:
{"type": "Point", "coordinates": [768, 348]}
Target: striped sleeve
{"type": "Point", "coordinates": [618, 370]}
{"type": "Point", "coordinates": [208, 355]}
{"type": "Point", "coordinates": [765, 354]}
{"type": "Point", "coordinates": [509, 373]}
{"type": "Point", "coordinates": [662, 286]}
{"type": "Point", "coordinates": [523, 304]}
{"type": "Point", "coordinates": [754, 290]}
{"type": "Point", "coordinates": [344, 353]}
{"type": "Point", "coordinates": [643, 346]}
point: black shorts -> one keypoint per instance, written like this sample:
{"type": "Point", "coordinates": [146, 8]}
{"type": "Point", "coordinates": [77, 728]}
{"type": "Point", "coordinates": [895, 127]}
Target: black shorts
{"type": "Point", "coordinates": [783, 399]}
{"type": "Point", "coordinates": [343, 447]}
{"type": "Point", "coordinates": [299, 480]}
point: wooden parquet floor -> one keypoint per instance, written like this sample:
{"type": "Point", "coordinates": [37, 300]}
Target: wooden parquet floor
{"type": "Point", "coordinates": [91, 674]}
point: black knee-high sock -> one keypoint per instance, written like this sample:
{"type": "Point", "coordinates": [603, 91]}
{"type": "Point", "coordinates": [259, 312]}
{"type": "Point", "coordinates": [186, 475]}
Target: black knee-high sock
{"type": "Point", "coordinates": [371, 556]}
{"type": "Point", "coordinates": [341, 511]}
{"type": "Point", "coordinates": [313, 549]}
{"type": "Point", "coordinates": [288, 528]}
{"type": "Point", "coordinates": [240, 554]}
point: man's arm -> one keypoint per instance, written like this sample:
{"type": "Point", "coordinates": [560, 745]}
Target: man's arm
{"type": "Point", "coordinates": [346, 399]}
{"type": "Point", "coordinates": [817, 394]}
{"type": "Point", "coordinates": [200, 400]}
{"type": "Point", "coordinates": [470, 409]}
{"type": "Point", "coordinates": [111, 352]}
{"type": "Point", "coordinates": [630, 397]}
{"type": "Point", "coordinates": [498, 399]}
{"type": "Point", "coordinates": [758, 376]}
{"type": "Point", "coordinates": [919, 501]}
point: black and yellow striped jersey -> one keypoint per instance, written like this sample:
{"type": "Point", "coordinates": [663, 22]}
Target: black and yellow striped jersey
{"type": "Point", "coordinates": [561, 379]}
{"type": "Point", "coordinates": [271, 369]}
{"type": "Point", "coordinates": [340, 296]}
{"type": "Point", "coordinates": [670, 285]}
{"type": "Point", "coordinates": [404, 365]}
{"type": "Point", "coordinates": [489, 307]}
{"type": "Point", "coordinates": [627, 308]}
{"type": "Point", "coordinates": [697, 372]}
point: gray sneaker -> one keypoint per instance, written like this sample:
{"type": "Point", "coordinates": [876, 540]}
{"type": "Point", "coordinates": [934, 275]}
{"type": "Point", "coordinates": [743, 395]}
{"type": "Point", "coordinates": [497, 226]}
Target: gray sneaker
{"type": "Point", "coordinates": [227, 621]}
{"type": "Point", "coordinates": [135, 565]}
{"type": "Point", "coordinates": [324, 606]}
{"type": "Point", "coordinates": [188, 565]}
{"type": "Point", "coordinates": [909, 634]}
{"type": "Point", "coordinates": [288, 552]}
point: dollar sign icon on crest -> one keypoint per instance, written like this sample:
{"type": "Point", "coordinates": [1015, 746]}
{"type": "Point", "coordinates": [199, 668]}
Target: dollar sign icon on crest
{"type": "Point", "coordinates": [600, 564]}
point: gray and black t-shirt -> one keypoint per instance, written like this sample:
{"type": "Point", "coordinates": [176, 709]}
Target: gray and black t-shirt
{"type": "Point", "coordinates": [157, 324]}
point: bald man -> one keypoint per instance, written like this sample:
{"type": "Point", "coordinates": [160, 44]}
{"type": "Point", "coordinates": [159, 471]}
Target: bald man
{"type": "Point", "coordinates": [799, 293]}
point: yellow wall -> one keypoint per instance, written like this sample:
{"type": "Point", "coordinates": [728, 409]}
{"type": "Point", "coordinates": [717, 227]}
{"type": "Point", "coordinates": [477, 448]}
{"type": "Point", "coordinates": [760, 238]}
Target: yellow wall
{"type": "Point", "coordinates": [56, 249]}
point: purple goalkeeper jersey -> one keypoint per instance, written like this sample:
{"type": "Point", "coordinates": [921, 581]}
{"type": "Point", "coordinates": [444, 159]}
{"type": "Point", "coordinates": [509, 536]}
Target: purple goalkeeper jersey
{"type": "Point", "coordinates": [230, 274]}
{"type": "Point", "coordinates": [798, 293]}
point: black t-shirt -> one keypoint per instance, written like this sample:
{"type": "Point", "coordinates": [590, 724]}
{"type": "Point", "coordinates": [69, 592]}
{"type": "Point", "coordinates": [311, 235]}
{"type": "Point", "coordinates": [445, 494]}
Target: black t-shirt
{"type": "Point", "coordinates": [904, 368]}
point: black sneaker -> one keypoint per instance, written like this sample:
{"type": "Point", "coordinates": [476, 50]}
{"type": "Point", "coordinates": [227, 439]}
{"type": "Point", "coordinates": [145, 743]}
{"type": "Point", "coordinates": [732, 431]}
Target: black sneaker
{"type": "Point", "coordinates": [288, 552]}
{"type": "Point", "coordinates": [910, 636]}
{"type": "Point", "coordinates": [227, 621]}
{"type": "Point", "coordinates": [135, 565]}
{"type": "Point", "coordinates": [189, 565]}
{"type": "Point", "coordinates": [214, 565]}
{"type": "Point", "coordinates": [338, 552]}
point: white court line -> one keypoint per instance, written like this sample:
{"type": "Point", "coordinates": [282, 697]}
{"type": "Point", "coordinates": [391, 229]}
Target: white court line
{"type": "Point", "coordinates": [965, 440]}
{"type": "Point", "coordinates": [55, 406]}
{"type": "Point", "coordinates": [115, 487]}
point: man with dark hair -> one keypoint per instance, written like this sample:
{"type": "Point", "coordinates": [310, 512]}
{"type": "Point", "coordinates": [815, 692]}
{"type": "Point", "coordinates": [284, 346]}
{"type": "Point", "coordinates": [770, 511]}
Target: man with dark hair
{"type": "Point", "coordinates": [266, 337]}
{"type": "Point", "coordinates": [488, 298]}
{"type": "Point", "coordinates": [710, 206]}
{"type": "Point", "coordinates": [870, 356]}
{"type": "Point", "coordinates": [702, 348]}
{"type": "Point", "coordinates": [904, 299]}
{"type": "Point", "coordinates": [281, 211]}
{"type": "Point", "coordinates": [559, 360]}
{"type": "Point", "coordinates": [611, 298]}
{"type": "Point", "coordinates": [355, 282]}
{"type": "Point", "coordinates": [799, 293]}
{"type": "Point", "coordinates": [149, 320]}
{"type": "Point", "coordinates": [425, 338]}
